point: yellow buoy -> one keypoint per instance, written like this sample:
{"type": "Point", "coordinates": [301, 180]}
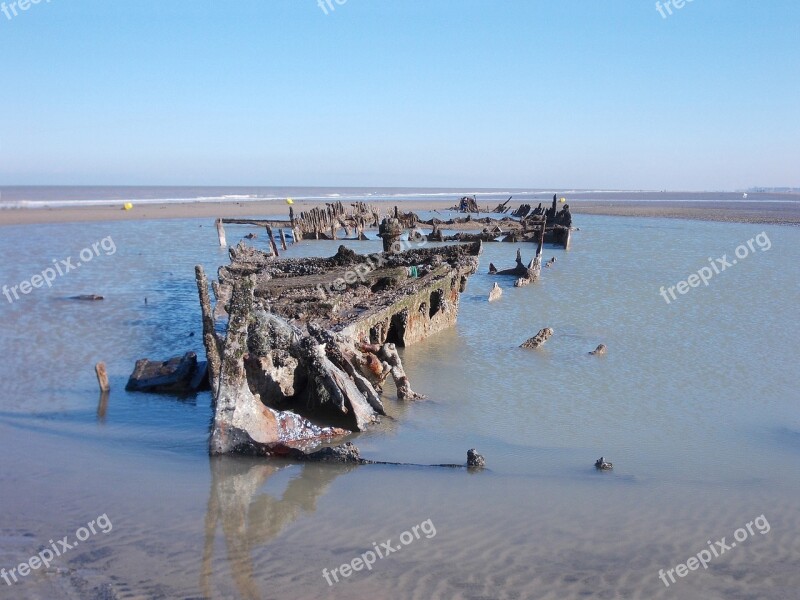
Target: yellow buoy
{"type": "Point", "coordinates": [289, 201]}
{"type": "Point", "coordinates": [563, 199]}
{"type": "Point", "coordinates": [127, 206]}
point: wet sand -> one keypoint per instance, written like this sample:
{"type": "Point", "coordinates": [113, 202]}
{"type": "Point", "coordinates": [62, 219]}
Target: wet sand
{"type": "Point", "coordinates": [776, 213]}
{"type": "Point", "coordinates": [737, 212]}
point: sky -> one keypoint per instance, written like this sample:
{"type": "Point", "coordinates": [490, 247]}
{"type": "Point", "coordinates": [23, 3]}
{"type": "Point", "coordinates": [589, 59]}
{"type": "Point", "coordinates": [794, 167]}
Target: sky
{"type": "Point", "coordinates": [591, 94]}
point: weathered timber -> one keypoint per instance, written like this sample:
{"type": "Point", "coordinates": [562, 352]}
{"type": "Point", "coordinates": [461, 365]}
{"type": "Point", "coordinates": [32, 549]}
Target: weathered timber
{"type": "Point", "coordinates": [221, 233]}
{"type": "Point", "coordinates": [87, 297]}
{"type": "Point", "coordinates": [258, 222]}
{"type": "Point", "coordinates": [178, 375]}
{"type": "Point", "coordinates": [520, 271]}
{"type": "Point", "coordinates": [522, 211]}
{"type": "Point", "coordinates": [272, 243]}
{"type": "Point", "coordinates": [503, 208]}
{"type": "Point", "coordinates": [210, 339]}
{"type": "Point", "coordinates": [102, 377]}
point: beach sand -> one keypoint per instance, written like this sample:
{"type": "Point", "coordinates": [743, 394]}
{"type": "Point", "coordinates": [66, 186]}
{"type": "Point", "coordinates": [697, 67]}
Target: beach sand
{"type": "Point", "coordinates": [739, 212]}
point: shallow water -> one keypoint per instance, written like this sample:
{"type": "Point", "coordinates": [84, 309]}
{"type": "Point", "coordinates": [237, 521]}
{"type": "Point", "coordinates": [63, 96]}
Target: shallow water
{"type": "Point", "coordinates": [696, 404]}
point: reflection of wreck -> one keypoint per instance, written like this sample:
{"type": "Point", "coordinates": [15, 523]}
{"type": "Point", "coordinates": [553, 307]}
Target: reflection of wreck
{"type": "Point", "coordinates": [310, 341]}
{"type": "Point", "coordinates": [251, 517]}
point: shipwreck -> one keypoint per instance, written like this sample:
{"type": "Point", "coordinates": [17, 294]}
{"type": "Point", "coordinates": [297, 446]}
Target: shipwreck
{"type": "Point", "coordinates": [299, 349]}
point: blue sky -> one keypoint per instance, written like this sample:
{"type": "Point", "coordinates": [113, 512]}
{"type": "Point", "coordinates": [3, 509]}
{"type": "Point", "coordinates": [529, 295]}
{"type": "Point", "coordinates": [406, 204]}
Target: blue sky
{"type": "Point", "coordinates": [463, 93]}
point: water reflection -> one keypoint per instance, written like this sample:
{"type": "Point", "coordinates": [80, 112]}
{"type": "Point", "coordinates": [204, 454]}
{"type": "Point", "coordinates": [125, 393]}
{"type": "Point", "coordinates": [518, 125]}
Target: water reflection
{"type": "Point", "coordinates": [251, 517]}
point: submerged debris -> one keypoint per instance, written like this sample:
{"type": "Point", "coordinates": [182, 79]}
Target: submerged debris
{"type": "Point", "coordinates": [531, 272]}
{"type": "Point", "coordinates": [601, 349]}
{"type": "Point", "coordinates": [522, 282]}
{"type": "Point", "coordinates": [178, 375]}
{"type": "Point", "coordinates": [602, 465]}
{"type": "Point", "coordinates": [539, 339]}
{"type": "Point", "coordinates": [475, 460]}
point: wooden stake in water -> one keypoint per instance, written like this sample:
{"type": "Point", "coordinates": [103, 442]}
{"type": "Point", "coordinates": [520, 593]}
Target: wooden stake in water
{"type": "Point", "coordinates": [283, 239]}
{"type": "Point", "coordinates": [102, 376]}
{"type": "Point", "coordinates": [221, 234]}
{"type": "Point", "coordinates": [272, 241]}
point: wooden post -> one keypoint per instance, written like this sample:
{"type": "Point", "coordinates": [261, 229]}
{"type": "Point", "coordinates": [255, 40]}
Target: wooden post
{"type": "Point", "coordinates": [540, 246]}
{"type": "Point", "coordinates": [221, 234]}
{"type": "Point", "coordinates": [272, 241]}
{"type": "Point", "coordinates": [102, 376]}
{"type": "Point", "coordinates": [283, 239]}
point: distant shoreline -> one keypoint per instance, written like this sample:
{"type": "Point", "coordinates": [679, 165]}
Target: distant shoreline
{"type": "Point", "coordinates": [765, 212]}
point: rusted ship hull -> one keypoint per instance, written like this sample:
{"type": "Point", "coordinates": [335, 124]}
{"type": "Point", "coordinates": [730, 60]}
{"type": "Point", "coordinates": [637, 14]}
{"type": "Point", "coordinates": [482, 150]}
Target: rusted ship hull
{"type": "Point", "coordinates": [310, 341]}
